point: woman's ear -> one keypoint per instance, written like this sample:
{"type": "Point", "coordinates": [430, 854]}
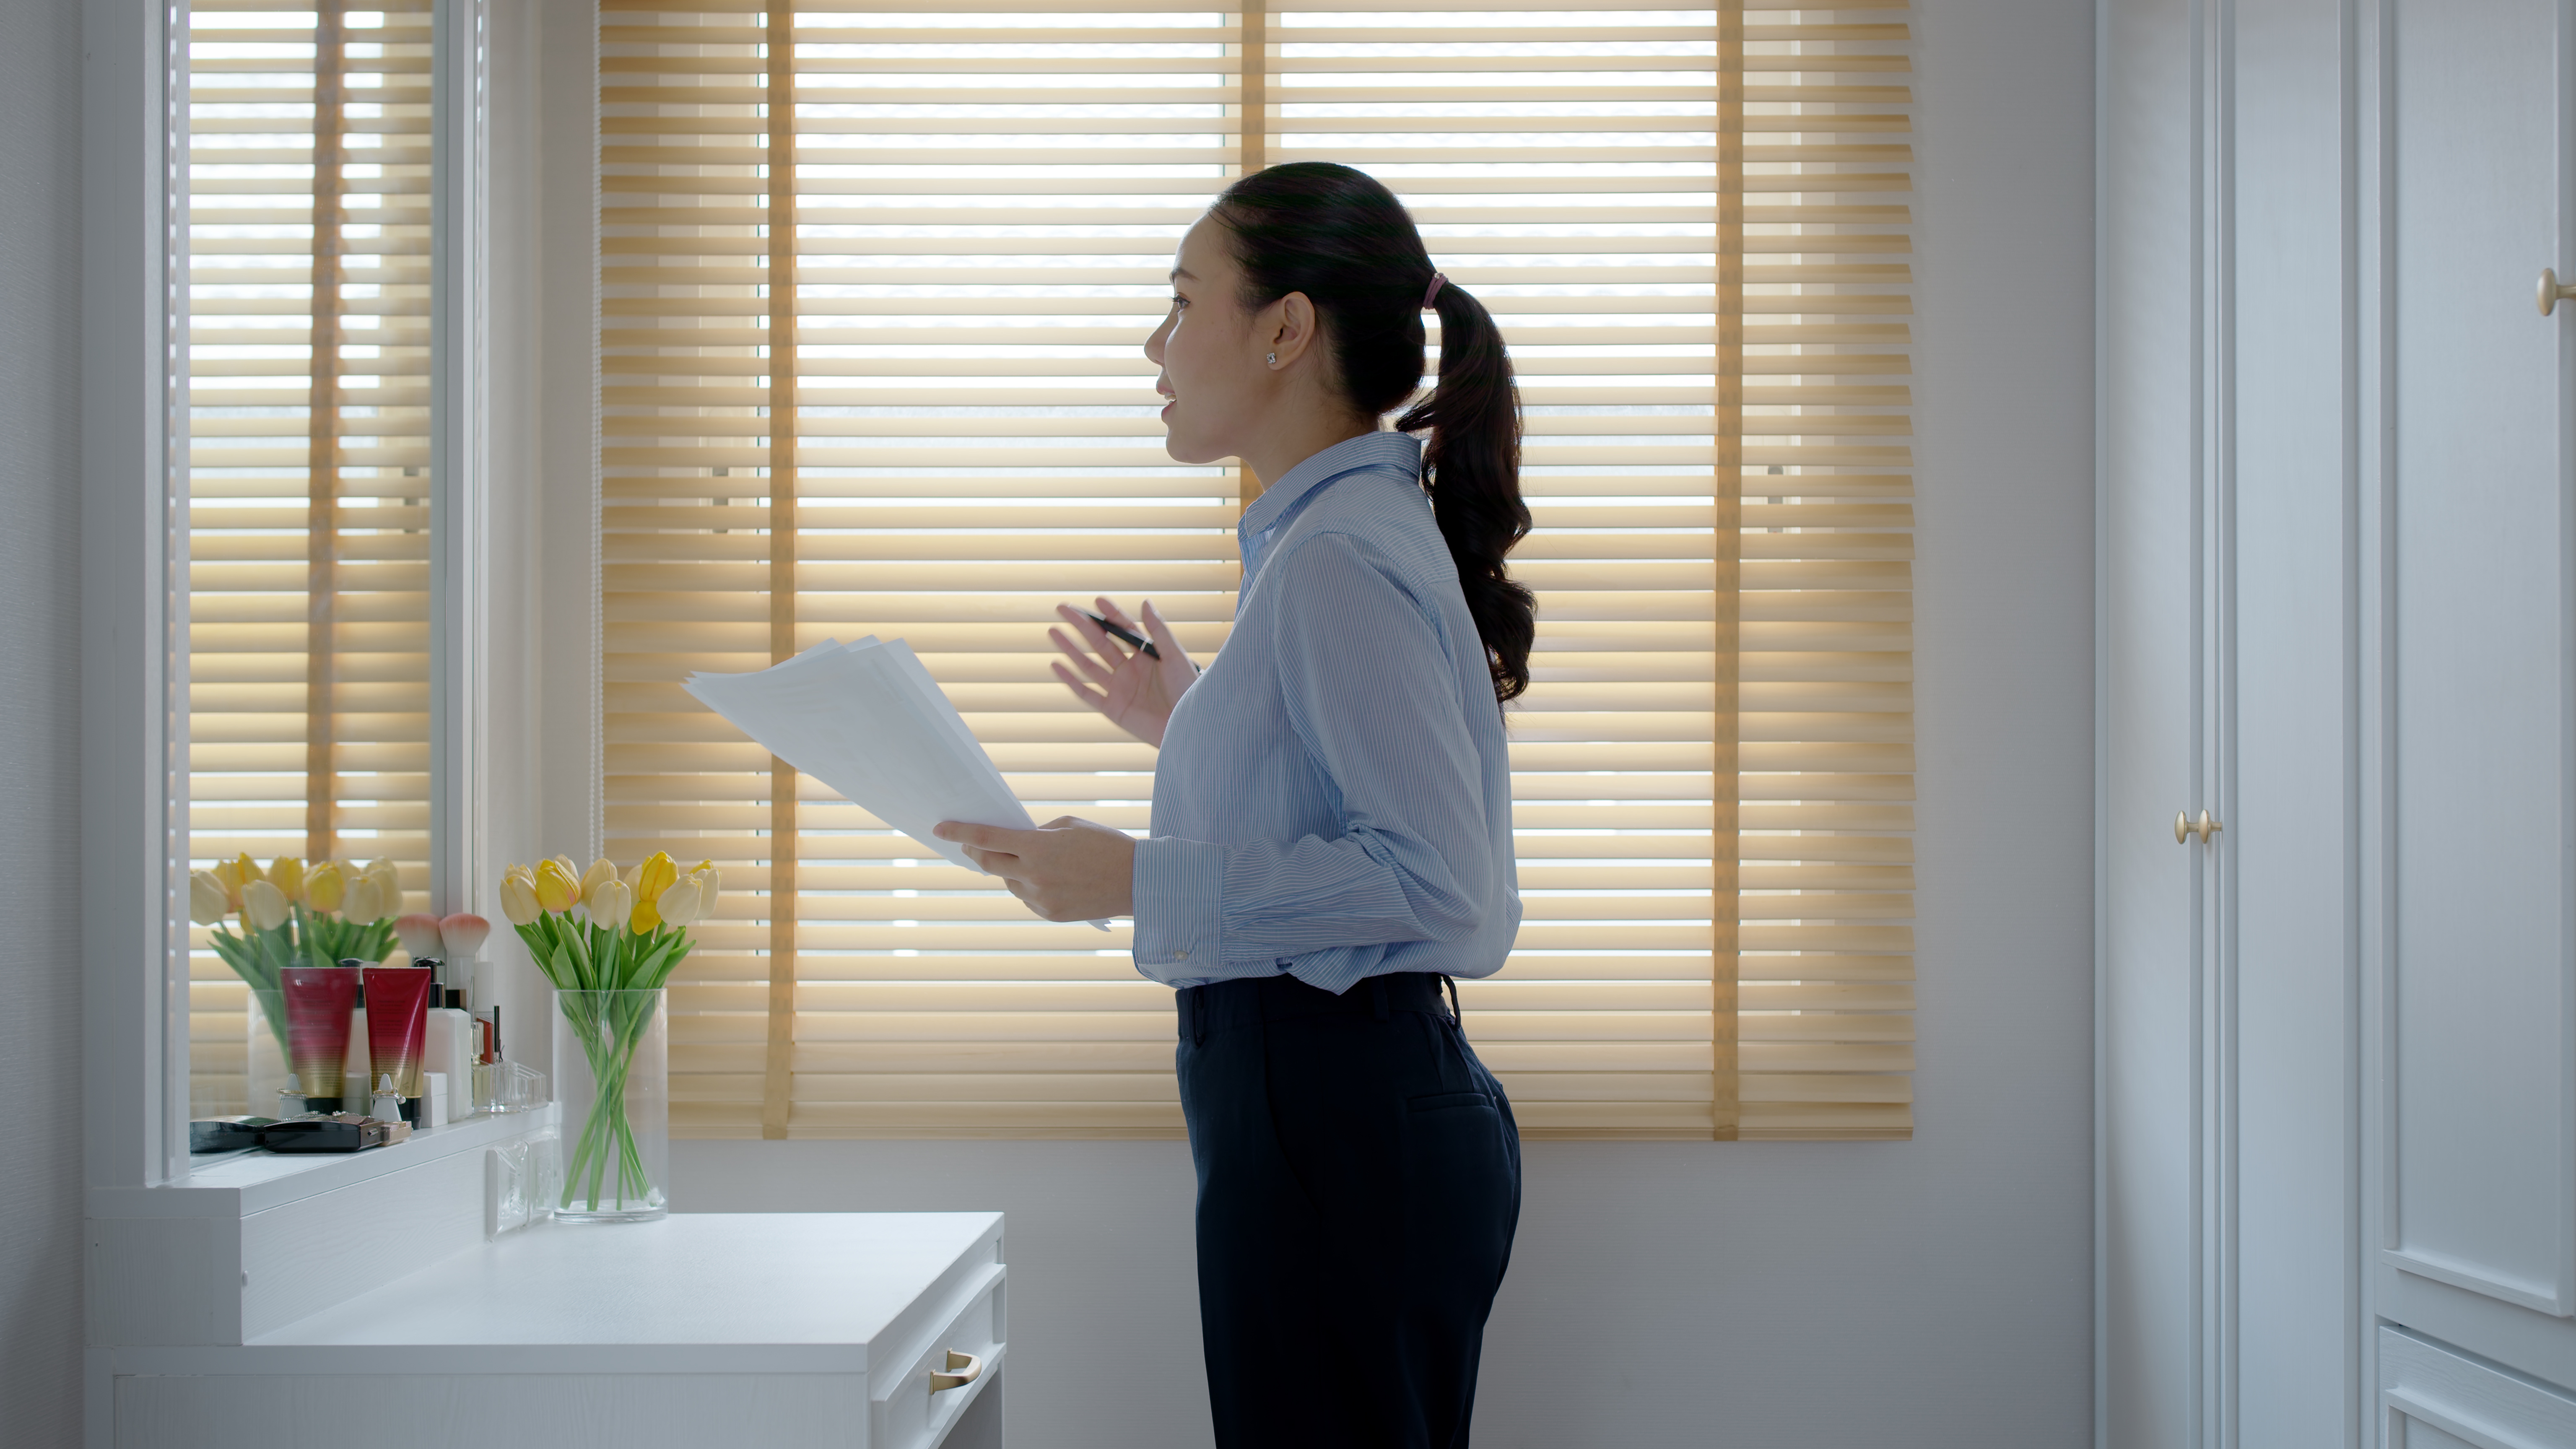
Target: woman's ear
{"type": "Point", "coordinates": [1291, 328]}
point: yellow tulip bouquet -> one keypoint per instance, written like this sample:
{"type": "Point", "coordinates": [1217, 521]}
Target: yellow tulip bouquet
{"type": "Point", "coordinates": [291, 916]}
{"type": "Point", "coordinates": [630, 933]}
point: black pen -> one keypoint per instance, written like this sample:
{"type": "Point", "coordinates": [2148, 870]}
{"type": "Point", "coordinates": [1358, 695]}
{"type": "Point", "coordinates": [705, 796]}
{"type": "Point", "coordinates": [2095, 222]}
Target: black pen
{"type": "Point", "coordinates": [1122, 636]}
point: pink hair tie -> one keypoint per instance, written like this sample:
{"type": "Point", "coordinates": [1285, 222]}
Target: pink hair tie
{"type": "Point", "coordinates": [1436, 280]}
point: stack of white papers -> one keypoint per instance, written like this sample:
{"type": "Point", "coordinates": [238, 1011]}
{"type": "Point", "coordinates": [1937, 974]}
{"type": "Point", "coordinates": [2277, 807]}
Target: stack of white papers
{"type": "Point", "coordinates": [868, 720]}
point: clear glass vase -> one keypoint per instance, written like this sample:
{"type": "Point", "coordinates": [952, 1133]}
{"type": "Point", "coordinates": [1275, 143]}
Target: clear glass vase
{"type": "Point", "coordinates": [613, 1077]}
{"type": "Point", "coordinates": [266, 1069]}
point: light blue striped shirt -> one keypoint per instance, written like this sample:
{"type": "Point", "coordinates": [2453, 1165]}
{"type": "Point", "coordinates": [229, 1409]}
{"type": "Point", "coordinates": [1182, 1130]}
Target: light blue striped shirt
{"type": "Point", "coordinates": [1333, 798]}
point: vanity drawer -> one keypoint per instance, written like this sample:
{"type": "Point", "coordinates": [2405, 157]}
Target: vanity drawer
{"type": "Point", "coordinates": [908, 1413]}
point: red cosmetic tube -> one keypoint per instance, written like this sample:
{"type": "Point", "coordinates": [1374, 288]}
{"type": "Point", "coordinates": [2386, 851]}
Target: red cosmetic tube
{"type": "Point", "coordinates": [397, 1026]}
{"type": "Point", "coordinates": [318, 1001]}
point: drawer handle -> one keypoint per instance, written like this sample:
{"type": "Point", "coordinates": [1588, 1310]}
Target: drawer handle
{"type": "Point", "coordinates": [963, 1369]}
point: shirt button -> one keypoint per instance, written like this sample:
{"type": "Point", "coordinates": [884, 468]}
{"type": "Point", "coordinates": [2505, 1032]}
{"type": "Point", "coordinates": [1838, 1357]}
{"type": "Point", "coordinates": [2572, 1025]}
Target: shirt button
{"type": "Point", "coordinates": [1180, 955]}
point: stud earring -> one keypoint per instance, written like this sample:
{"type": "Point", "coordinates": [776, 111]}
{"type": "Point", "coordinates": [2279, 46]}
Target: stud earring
{"type": "Point", "coordinates": [1274, 359]}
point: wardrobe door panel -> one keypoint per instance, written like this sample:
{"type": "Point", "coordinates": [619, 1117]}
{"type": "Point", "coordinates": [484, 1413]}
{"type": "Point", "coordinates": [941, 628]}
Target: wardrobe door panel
{"type": "Point", "coordinates": [2481, 1187]}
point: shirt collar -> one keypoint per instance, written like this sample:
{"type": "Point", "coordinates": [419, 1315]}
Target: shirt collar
{"type": "Point", "coordinates": [1395, 452]}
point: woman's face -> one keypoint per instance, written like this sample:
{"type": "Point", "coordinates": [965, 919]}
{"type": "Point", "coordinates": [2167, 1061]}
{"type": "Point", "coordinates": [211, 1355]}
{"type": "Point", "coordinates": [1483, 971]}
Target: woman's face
{"type": "Point", "coordinates": [1213, 369]}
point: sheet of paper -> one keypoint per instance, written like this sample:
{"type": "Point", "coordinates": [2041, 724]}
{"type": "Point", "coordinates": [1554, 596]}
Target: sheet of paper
{"type": "Point", "coordinates": [869, 722]}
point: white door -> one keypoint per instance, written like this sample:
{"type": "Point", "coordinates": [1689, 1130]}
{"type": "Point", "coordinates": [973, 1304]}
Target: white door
{"type": "Point", "coordinates": [2471, 790]}
{"type": "Point", "coordinates": [2153, 507]}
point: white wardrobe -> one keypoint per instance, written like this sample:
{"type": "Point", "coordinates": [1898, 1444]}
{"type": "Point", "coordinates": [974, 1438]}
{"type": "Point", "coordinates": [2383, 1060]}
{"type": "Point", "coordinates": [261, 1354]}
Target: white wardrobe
{"type": "Point", "coordinates": [2337, 952]}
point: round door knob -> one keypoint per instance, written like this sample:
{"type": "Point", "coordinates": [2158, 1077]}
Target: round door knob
{"type": "Point", "coordinates": [2208, 827]}
{"type": "Point", "coordinates": [2552, 289]}
{"type": "Point", "coordinates": [2182, 827]}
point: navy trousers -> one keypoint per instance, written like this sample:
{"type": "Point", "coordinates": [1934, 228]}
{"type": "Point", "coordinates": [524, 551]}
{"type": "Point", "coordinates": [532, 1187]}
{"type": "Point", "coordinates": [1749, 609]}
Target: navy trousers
{"type": "Point", "coordinates": [1359, 1183]}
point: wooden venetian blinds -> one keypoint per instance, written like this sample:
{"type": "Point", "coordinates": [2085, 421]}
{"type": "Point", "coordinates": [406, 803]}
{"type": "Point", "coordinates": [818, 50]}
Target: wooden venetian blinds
{"type": "Point", "coordinates": [308, 633]}
{"type": "Point", "coordinates": [874, 283]}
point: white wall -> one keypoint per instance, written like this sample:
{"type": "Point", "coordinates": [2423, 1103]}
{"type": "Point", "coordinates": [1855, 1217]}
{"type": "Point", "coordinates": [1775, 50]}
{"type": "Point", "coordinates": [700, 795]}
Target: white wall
{"type": "Point", "coordinates": [40, 947]}
{"type": "Point", "coordinates": [1928, 1293]}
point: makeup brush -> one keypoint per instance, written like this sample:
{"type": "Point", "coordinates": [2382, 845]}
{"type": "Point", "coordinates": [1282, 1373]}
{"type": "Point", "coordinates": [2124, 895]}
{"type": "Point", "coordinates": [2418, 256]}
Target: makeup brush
{"type": "Point", "coordinates": [419, 935]}
{"type": "Point", "coordinates": [463, 935]}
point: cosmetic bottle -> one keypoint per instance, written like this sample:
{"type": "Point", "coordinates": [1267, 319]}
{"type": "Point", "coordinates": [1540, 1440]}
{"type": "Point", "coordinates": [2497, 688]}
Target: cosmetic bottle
{"type": "Point", "coordinates": [478, 1081]}
{"type": "Point", "coordinates": [355, 1071]}
{"type": "Point", "coordinates": [449, 1051]}
{"type": "Point", "coordinates": [317, 1031]}
{"type": "Point", "coordinates": [397, 1021]}
{"type": "Point", "coordinates": [491, 1074]}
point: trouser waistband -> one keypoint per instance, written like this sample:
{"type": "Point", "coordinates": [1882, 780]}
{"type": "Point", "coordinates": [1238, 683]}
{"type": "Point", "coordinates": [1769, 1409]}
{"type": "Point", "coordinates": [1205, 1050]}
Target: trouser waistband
{"type": "Point", "coordinates": [1252, 1000]}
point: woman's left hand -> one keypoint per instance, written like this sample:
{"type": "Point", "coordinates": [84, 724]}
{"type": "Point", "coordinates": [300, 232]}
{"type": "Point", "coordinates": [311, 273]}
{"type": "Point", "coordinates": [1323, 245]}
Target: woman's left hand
{"type": "Point", "coordinates": [1065, 870]}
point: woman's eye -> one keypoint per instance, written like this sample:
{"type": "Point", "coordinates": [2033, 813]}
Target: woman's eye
{"type": "Point", "coordinates": [1179, 302]}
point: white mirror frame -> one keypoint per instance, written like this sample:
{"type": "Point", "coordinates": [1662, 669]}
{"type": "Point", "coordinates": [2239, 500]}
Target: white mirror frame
{"type": "Point", "coordinates": [134, 555]}
{"type": "Point", "coordinates": [134, 561]}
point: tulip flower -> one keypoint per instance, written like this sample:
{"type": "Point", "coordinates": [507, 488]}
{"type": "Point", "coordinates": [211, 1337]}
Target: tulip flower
{"type": "Point", "coordinates": [360, 900]}
{"type": "Point", "coordinates": [419, 935]}
{"type": "Point", "coordinates": [462, 935]}
{"type": "Point", "coordinates": [287, 874]}
{"type": "Point", "coordinates": [231, 874]}
{"type": "Point", "coordinates": [326, 887]}
{"type": "Point", "coordinates": [208, 903]}
{"type": "Point", "coordinates": [678, 906]}
{"type": "Point", "coordinates": [519, 896]}
{"type": "Point", "coordinates": [557, 886]}
{"type": "Point", "coordinates": [590, 932]}
{"type": "Point", "coordinates": [571, 871]}
{"type": "Point", "coordinates": [264, 906]}
{"type": "Point", "coordinates": [388, 886]}
{"type": "Point", "coordinates": [657, 874]}
{"type": "Point", "coordinates": [653, 875]}
{"type": "Point", "coordinates": [608, 902]}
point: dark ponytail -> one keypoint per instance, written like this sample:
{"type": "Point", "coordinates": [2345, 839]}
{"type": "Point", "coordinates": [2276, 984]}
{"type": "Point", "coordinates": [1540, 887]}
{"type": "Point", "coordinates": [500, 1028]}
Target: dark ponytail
{"type": "Point", "coordinates": [1341, 238]}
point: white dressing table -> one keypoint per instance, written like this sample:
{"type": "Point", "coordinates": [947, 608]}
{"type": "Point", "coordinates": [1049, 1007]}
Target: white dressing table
{"type": "Point", "coordinates": [850, 1330]}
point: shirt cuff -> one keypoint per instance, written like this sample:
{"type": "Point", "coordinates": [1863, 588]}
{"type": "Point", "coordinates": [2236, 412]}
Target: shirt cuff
{"type": "Point", "coordinates": [1179, 896]}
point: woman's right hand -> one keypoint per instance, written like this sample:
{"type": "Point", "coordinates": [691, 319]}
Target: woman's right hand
{"type": "Point", "coordinates": [1135, 693]}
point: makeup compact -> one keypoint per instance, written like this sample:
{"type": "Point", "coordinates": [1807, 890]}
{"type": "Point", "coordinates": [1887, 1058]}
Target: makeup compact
{"type": "Point", "coordinates": [337, 1132]}
{"type": "Point", "coordinates": [226, 1134]}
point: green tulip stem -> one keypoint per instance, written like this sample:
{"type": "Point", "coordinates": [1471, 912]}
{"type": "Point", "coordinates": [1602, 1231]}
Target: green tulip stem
{"type": "Point", "coordinates": [610, 1032]}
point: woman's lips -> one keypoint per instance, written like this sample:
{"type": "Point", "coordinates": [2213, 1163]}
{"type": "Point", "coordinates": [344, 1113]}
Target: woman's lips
{"type": "Point", "coordinates": [1167, 407]}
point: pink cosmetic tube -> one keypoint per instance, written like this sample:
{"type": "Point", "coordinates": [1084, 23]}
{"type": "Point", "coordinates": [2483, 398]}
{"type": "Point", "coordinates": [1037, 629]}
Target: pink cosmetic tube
{"type": "Point", "coordinates": [397, 1026]}
{"type": "Point", "coordinates": [318, 1001]}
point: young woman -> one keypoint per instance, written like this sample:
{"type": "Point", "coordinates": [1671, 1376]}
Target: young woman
{"type": "Point", "coordinates": [1332, 816]}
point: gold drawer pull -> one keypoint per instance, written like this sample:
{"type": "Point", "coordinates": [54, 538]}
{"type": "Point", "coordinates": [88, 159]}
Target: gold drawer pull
{"type": "Point", "coordinates": [963, 1369]}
